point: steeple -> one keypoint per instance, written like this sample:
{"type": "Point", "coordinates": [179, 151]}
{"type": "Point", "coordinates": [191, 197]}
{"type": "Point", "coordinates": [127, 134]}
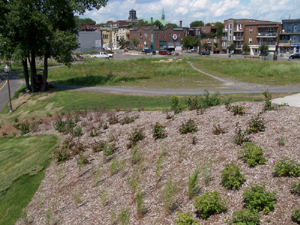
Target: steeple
{"type": "Point", "coordinates": [163, 14]}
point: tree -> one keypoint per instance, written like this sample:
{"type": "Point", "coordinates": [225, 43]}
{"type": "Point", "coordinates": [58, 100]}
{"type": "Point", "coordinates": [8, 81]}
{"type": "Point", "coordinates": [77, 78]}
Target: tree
{"type": "Point", "coordinates": [189, 41]}
{"type": "Point", "coordinates": [220, 27]}
{"type": "Point", "coordinates": [122, 42]}
{"type": "Point", "coordinates": [205, 46]}
{"type": "Point", "coordinates": [196, 23]}
{"type": "Point", "coordinates": [135, 42]}
{"type": "Point", "coordinates": [263, 48]}
{"type": "Point", "coordinates": [158, 24]}
{"type": "Point", "coordinates": [216, 44]}
{"type": "Point", "coordinates": [232, 47]}
{"type": "Point", "coordinates": [40, 28]}
{"type": "Point", "coordinates": [246, 48]}
{"type": "Point", "coordinates": [172, 25]}
{"type": "Point", "coordinates": [208, 24]}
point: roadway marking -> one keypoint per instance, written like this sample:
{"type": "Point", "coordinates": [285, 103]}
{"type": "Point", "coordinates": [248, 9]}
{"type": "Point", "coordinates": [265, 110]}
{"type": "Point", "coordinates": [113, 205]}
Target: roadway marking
{"type": "Point", "coordinates": [3, 84]}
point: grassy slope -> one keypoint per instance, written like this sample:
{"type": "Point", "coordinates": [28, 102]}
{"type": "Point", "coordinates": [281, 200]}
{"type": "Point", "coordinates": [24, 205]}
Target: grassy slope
{"type": "Point", "coordinates": [23, 162]}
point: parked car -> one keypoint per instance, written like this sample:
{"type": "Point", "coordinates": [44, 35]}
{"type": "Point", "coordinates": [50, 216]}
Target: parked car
{"type": "Point", "coordinates": [146, 50]}
{"type": "Point", "coordinates": [109, 52]}
{"type": "Point", "coordinates": [102, 55]}
{"type": "Point", "coordinates": [164, 52]}
{"type": "Point", "coordinates": [205, 53]}
{"type": "Point", "coordinates": [295, 56]}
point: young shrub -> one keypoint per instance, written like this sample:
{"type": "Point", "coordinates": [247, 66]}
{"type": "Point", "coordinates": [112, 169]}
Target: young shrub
{"type": "Point", "coordinates": [82, 160]}
{"type": "Point", "coordinates": [240, 136]}
{"type": "Point", "coordinates": [185, 219]}
{"type": "Point", "coordinates": [188, 127]}
{"type": "Point", "coordinates": [113, 119]}
{"type": "Point", "coordinates": [49, 114]}
{"type": "Point", "coordinates": [258, 198]}
{"type": "Point", "coordinates": [134, 183]}
{"type": "Point", "coordinates": [77, 131]}
{"type": "Point", "coordinates": [137, 135]}
{"type": "Point", "coordinates": [268, 103]}
{"type": "Point", "coordinates": [158, 131]}
{"type": "Point", "coordinates": [244, 216]}
{"type": "Point", "coordinates": [16, 120]}
{"type": "Point", "coordinates": [98, 146]}
{"type": "Point", "coordinates": [227, 103]}
{"type": "Point", "coordinates": [287, 168]}
{"type": "Point", "coordinates": [175, 104]}
{"type": "Point", "coordinates": [135, 155]}
{"type": "Point", "coordinates": [296, 188]}
{"type": "Point", "coordinates": [139, 205]}
{"type": "Point", "coordinates": [159, 162]}
{"type": "Point", "coordinates": [296, 215]}
{"type": "Point", "coordinates": [25, 127]}
{"type": "Point", "coordinates": [4, 133]}
{"type": "Point", "coordinates": [209, 203]}
{"type": "Point", "coordinates": [128, 109]}
{"type": "Point", "coordinates": [127, 120]}
{"type": "Point", "coordinates": [114, 166]}
{"type": "Point", "coordinates": [193, 187]}
{"type": "Point", "coordinates": [108, 150]}
{"type": "Point", "coordinates": [256, 125]}
{"type": "Point", "coordinates": [281, 141]}
{"type": "Point", "coordinates": [206, 169]}
{"type": "Point", "coordinates": [209, 101]}
{"type": "Point", "coordinates": [237, 110]}
{"type": "Point", "coordinates": [218, 130]}
{"type": "Point", "coordinates": [169, 195]}
{"type": "Point", "coordinates": [231, 177]}
{"type": "Point", "coordinates": [252, 154]}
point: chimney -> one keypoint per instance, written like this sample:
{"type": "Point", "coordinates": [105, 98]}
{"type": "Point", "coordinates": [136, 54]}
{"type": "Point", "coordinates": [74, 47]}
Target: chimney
{"type": "Point", "coordinates": [180, 23]}
{"type": "Point", "coordinates": [151, 19]}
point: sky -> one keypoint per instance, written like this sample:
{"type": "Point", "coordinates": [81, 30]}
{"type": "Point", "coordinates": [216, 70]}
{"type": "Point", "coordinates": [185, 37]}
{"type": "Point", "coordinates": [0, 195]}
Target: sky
{"type": "Point", "coordinates": [191, 10]}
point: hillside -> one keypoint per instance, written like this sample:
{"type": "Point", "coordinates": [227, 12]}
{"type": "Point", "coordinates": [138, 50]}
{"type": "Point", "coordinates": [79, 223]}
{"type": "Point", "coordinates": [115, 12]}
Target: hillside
{"type": "Point", "coordinates": [106, 191]}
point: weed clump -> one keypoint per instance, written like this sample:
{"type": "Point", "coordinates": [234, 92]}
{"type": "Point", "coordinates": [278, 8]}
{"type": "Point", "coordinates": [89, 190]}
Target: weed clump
{"type": "Point", "coordinates": [231, 176]}
{"type": "Point", "coordinates": [258, 198]}
{"type": "Point", "coordinates": [188, 127]}
{"type": "Point", "coordinates": [287, 168]}
{"type": "Point", "coordinates": [296, 215]}
{"type": "Point", "coordinates": [252, 154]}
{"type": "Point", "coordinates": [209, 203]}
{"type": "Point", "coordinates": [218, 130]}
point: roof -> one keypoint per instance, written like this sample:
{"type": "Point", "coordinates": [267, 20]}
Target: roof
{"type": "Point", "coordinates": [163, 22]}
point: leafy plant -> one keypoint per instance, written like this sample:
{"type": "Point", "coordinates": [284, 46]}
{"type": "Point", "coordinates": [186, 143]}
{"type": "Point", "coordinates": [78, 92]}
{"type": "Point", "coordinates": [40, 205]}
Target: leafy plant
{"type": "Point", "coordinates": [82, 160]}
{"type": "Point", "coordinates": [237, 110]}
{"type": "Point", "coordinates": [137, 135]}
{"type": "Point", "coordinates": [193, 187]}
{"type": "Point", "coordinates": [113, 119]}
{"type": "Point", "coordinates": [231, 176]}
{"type": "Point", "coordinates": [252, 154]}
{"type": "Point", "coordinates": [256, 125]}
{"type": "Point", "coordinates": [140, 108]}
{"type": "Point", "coordinates": [281, 141]}
{"type": "Point", "coordinates": [78, 131]}
{"type": "Point", "coordinates": [25, 127]}
{"type": "Point", "coordinates": [98, 146]}
{"type": "Point", "coordinates": [188, 127]}
{"type": "Point", "coordinates": [258, 198]}
{"type": "Point", "coordinates": [218, 130]}
{"type": "Point", "coordinates": [108, 150]}
{"type": "Point", "coordinates": [185, 219]}
{"type": "Point", "coordinates": [4, 133]}
{"type": "Point", "coordinates": [49, 114]}
{"type": "Point", "coordinates": [16, 120]}
{"type": "Point", "coordinates": [127, 120]}
{"type": "Point", "coordinates": [287, 167]}
{"type": "Point", "coordinates": [244, 216]}
{"type": "Point", "coordinates": [118, 108]}
{"type": "Point", "coordinates": [175, 105]}
{"type": "Point", "coordinates": [208, 101]}
{"type": "Point", "coordinates": [296, 215]}
{"type": "Point", "coordinates": [296, 188]}
{"type": "Point", "coordinates": [240, 136]}
{"type": "Point", "coordinates": [158, 131]}
{"type": "Point", "coordinates": [168, 196]}
{"type": "Point", "coordinates": [268, 103]}
{"type": "Point", "coordinates": [227, 103]}
{"type": "Point", "coordinates": [209, 203]}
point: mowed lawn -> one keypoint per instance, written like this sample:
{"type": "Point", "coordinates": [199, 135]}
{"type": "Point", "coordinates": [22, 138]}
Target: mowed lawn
{"type": "Point", "coordinates": [23, 162]}
{"type": "Point", "coordinates": [275, 73]}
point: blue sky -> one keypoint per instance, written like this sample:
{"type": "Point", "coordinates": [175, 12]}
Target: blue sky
{"type": "Point", "coordinates": [205, 10]}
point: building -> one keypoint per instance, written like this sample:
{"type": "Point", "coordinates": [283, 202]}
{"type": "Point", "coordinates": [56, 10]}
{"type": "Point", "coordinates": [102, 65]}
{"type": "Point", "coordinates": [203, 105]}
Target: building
{"type": "Point", "coordinates": [162, 20]}
{"type": "Point", "coordinates": [89, 40]}
{"type": "Point", "coordinates": [289, 42]}
{"type": "Point", "coordinates": [251, 32]}
{"type": "Point", "coordinates": [154, 39]}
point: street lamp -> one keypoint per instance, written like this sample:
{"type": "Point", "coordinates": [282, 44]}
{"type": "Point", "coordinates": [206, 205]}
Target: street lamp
{"type": "Point", "coordinates": [6, 69]}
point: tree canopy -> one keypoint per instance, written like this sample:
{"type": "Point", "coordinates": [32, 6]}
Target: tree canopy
{"type": "Point", "coordinates": [85, 21]}
{"type": "Point", "coordinates": [40, 28]}
{"type": "Point", "coordinates": [196, 23]}
{"type": "Point", "coordinates": [190, 42]}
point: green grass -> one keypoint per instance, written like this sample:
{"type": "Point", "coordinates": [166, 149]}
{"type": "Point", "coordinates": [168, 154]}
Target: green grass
{"type": "Point", "coordinates": [141, 72]}
{"type": "Point", "coordinates": [251, 71]}
{"type": "Point", "coordinates": [23, 162]}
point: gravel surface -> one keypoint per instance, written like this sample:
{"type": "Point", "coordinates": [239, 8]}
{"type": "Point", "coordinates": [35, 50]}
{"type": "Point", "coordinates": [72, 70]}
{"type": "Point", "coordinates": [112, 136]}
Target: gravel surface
{"type": "Point", "coordinates": [70, 194]}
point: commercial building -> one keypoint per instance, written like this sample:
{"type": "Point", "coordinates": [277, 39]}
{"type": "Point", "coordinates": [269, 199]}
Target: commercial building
{"type": "Point", "coordinates": [289, 42]}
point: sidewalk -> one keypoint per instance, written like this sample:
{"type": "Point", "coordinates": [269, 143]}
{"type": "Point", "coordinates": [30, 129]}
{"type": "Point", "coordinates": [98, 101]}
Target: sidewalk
{"type": "Point", "coordinates": [292, 100]}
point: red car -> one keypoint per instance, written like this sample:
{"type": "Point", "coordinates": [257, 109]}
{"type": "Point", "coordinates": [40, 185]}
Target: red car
{"type": "Point", "coordinates": [108, 51]}
{"type": "Point", "coordinates": [164, 52]}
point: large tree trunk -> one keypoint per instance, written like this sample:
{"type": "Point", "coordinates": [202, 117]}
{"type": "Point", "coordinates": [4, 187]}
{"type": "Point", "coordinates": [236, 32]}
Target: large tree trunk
{"type": "Point", "coordinates": [45, 75]}
{"type": "Point", "coordinates": [33, 72]}
{"type": "Point", "coordinates": [26, 74]}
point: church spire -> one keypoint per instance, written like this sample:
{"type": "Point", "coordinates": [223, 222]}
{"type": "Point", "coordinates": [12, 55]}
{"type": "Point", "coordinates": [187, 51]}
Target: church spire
{"type": "Point", "coordinates": [163, 14]}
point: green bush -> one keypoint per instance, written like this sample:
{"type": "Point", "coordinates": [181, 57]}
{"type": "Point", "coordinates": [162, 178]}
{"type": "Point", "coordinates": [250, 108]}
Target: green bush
{"type": "Point", "coordinates": [175, 105]}
{"type": "Point", "coordinates": [158, 131]}
{"type": "Point", "coordinates": [188, 127]}
{"type": "Point", "coordinates": [137, 135]}
{"type": "Point", "coordinates": [209, 203]}
{"type": "Point", "coordinates": [252, 154]}
{"type": "Point", "coordinates": [296, 215]}
{"type": "Point", "coordinates": [185, 219]}
{"type": "Point", "coordinates": [25, 127]}
{"type": "Point", "coordinates": [296, 188]}
{"type": "Point", "coordinates": [231, 176]}
{"type": "Point", "coordinates": [287, 167]}
{"type": "Point", "coordinates": [244, 217]}
{"type": "Point", "coordinates": [258, 198]}
{"type": "Point", "coordinates": [240, 136]}
{"type": "Point", "coordinates": [209, 101]}
{"type": "Point", "coordinates": [256, 125]}
{"type": "Point", "coordinates": [237, 110]}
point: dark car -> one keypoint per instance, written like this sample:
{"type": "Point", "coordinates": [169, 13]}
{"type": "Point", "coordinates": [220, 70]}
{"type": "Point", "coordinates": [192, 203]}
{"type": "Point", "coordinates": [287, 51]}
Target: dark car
{"type": "Point", "coordinates": [295, 56]}
{"type": "Point", "coordinates": [205, 53]}
{"type": "Point", "coordinates": [164, 52]}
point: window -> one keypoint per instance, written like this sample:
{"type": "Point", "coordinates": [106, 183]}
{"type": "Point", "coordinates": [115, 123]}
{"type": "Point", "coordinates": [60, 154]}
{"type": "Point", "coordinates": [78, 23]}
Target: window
{"type": "Point", "coordinates": [250, 40]}
{"type": "Point", "coordinates": [164, 35]}
{"type": "Point", "coordinates": [123, 31]}
{"type": "Point", "coordinates": [170, 35]}
{"type": "Point", "coordinates": [229, 37]}
{"type": "Point", "coordinates": [134, 35]}
{"type": "Point", "coordinates": [295, 28]}
{"type": "Point", "coordinates": [241, 26]}
{"type": "Point", "coordinates": [157, 35]}
{"type": "Point", "coordinates": [270, 30]}
{"type": "Point", "coordinates": [250, 30]}
{"type": "Point", "coordinates": [141, 35]}
{"type": "Point", "coordinates": [178, 35]}
{"type": "Point", "coordinates": [145, 35]}
{"type": "Point", "coordinates": [226, 27]}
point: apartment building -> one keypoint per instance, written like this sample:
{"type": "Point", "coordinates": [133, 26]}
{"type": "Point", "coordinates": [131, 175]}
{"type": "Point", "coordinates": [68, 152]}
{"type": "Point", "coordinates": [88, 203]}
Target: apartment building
{"type": "Point", "coordinates": [289, 41]}
{"type": "Point", "coordinates": [251, 32]}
